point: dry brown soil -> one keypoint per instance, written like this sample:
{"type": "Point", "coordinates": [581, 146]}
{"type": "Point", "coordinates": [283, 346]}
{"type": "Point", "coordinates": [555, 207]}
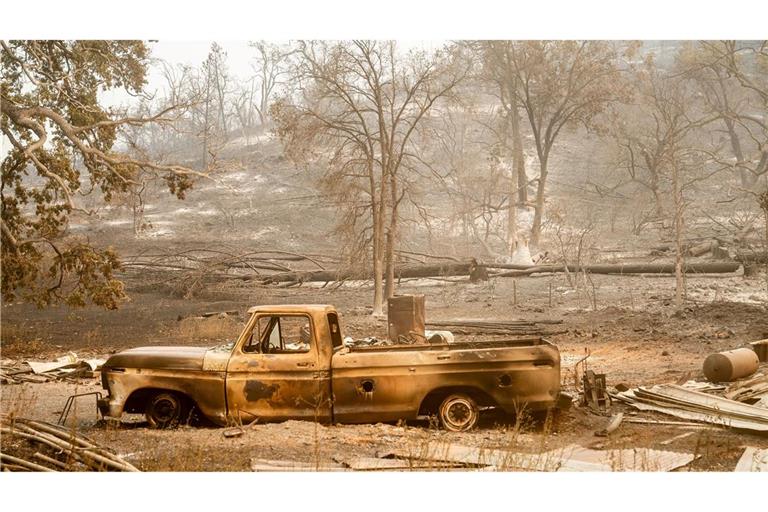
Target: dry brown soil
{"type": "Point", "coordinates": [635, 336]}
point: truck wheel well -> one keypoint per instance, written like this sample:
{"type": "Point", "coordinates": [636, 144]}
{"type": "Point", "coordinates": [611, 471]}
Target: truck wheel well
{"type": "Point", "coordinates": [138, 399]}
{"type": "Point", "coordinates": [431, 403]}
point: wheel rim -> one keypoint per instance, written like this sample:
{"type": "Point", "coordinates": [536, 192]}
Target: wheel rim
{"type": "Point", "coordinates": [459, 414]}
{"type": "Point", "coordinates": [165, 409]}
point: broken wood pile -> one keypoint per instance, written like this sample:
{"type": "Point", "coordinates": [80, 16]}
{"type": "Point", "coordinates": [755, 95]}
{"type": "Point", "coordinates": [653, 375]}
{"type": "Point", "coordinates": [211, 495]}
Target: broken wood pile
{"type": "Point", "coordinates": [510, 327]}
{"type": "Point", "coordinates": [54, 448]}
{"type": "Point", "coordinates": [697, 406]}
{"type": "Point", "coordinates": [68, 367]}
{"type": "Point", "coordinates": [219, 261]}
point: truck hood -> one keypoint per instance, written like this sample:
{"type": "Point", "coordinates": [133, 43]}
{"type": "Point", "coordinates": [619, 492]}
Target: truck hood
{"type": "Point", "coordinates": [166, 358]}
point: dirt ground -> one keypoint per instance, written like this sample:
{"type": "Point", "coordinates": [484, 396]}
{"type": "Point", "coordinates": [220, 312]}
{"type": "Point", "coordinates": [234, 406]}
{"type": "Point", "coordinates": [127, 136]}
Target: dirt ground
{"type": "Point", "coordinates": [626, 324]}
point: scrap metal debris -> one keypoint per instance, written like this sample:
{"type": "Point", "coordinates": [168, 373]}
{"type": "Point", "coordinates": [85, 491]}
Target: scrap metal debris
{"type": "Point", "coordinates": [753, 459]}
{"type": "Point", "coordinates": [753, 391]}
{"type": "Point", "coordinates": [570, 458]}
{"type": "Point", "coordinates": [503, 327]}
{"type": "Point", "coordinates": [761, 349]}
{"type": "Point", "coordinates": [704, 387]}
{"type": "Point", "coordinates": [56, 449]}
{"type": "Point", "coordinates": [612, 425]}
{"type": "Point", "coordinates": [66, 367]}
{"type": "Point", "coordinates": [689, 404]}
{"type": "Point", "coordinates": [381, 464]}
{"type": "Point", "coordinates": [288, 465]}
{"type": "Point", "coordinates": [370, 341]}
{"type": "Point", "coordinates": [438, 456]}
{"type": "Point", "coordinates": [595, 392]}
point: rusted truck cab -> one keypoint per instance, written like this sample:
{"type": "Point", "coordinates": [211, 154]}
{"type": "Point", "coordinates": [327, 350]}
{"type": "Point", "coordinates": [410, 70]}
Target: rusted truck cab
{"type": "Point", "coordinates": [290, 362]}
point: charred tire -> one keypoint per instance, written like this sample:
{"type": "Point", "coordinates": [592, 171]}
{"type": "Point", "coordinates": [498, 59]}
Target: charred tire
{"type": "Point", "coordinates": [458, 413]}
{"type": "Point", "coordinates": [166, 410]}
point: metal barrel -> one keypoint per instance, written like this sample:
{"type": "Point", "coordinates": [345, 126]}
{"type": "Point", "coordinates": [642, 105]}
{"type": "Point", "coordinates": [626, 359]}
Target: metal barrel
{"type": "Point", "coordinates": [730, 365]}
{"type": "Point", "coordinates": [406, 316]}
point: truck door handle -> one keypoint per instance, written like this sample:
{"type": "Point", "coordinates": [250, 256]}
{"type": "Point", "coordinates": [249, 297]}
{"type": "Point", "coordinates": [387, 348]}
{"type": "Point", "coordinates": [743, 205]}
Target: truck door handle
{"type": "Point", "coordinates": [443, 357]}
{"type": "Point", "coordinates": [302, 365]}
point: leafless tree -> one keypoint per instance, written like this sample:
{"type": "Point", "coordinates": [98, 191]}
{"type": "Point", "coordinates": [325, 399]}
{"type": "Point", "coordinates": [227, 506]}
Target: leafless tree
{"type": "Point", "coordinates": [557, 84]}
{"type": "Point", "coordinates": [361, 103]}
{"type": "Point", "coordinates": [663, 150]}
{"type": "Point", "coordinates": [736, 95]}
{"type": "Point", "coordinates": [271, 68]}
{"type": "Point", "coordinates": [499, 68]}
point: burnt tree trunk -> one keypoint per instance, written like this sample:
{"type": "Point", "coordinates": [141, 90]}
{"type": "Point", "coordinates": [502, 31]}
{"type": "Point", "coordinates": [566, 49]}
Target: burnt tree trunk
{"type": "Point", "coordinates": [620, 269]}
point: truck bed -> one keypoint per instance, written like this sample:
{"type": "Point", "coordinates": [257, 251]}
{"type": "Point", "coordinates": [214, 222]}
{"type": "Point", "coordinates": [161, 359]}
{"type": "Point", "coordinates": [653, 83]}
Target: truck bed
{"type": "Point", "coordinates": [457, 345]}
{"type": "Point", "coordinates": [391, 382]}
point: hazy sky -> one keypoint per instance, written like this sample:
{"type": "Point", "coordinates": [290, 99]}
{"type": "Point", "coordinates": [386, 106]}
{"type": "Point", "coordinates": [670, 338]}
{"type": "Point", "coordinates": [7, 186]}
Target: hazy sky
{"type": "Point", "coordinates": [239, 59]}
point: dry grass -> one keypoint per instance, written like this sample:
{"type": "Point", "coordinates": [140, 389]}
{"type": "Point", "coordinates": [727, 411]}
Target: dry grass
{"type": "Point", "coordinates": [17, 340]}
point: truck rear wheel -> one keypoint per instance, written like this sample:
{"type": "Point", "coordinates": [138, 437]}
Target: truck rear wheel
{"type": "Point", "coordinates": [166, 410]}
{"type": "Point", "coordinates": [458, 413]}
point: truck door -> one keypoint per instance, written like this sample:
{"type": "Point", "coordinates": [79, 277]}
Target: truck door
{"type": "Point", "coordinates": [277, 371]}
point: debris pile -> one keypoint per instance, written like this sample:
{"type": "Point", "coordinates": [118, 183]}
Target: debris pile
{"type": "Point", "coordinates": [67, 367]}
{"type": "Point", "coordinates": [753, 391]}
{"type": "Point", "coordinates": [370, 341]}
{"type": "Point", "coordinates": [569, 458]}
{"type": "Point", "coordinates": [443, 331]}
{"type": "Point", "coordinates": [53, 448]}
{"type": "Point", "coordinates": [502, 327]}
{"type": "Point", "coordinates": [753, 460]}
{"type": "Point", "coordinates": [693, 405]}
{"type": "Point", "coordinates": [437, 456]}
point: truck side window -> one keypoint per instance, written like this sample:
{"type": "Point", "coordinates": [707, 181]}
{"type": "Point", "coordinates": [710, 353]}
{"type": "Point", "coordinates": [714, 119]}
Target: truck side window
{"type": "Point", "coordinates": [333, 325]}
{"type": "Point", "coordinates": [280, 334]}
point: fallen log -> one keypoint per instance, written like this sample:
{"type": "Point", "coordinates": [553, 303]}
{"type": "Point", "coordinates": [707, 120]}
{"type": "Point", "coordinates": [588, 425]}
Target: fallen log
{"type": "Point", "coordinates": [627, 268]}
{"type": "Point", "coordinates": [470, 267]}
{"type": "Point", "coordinates": [702, 248]}
{"type": "Point", "coordinates": [24, 463]}
{"type": "Point", "coordinates": [401, 272]}
{"type": "Point", "coordinates": [752, 256]}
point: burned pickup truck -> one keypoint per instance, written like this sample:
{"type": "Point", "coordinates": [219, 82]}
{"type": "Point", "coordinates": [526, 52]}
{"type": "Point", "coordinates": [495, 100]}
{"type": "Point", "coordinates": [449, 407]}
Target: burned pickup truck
{"type": "Point", "coordinates": [291, 362]}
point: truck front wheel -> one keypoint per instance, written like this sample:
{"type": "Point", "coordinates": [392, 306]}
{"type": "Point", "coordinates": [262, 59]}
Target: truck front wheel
{"type": "Point", "coordinates": [166, 410]}
{"type": "Point", "coordinates": [458, 413]}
